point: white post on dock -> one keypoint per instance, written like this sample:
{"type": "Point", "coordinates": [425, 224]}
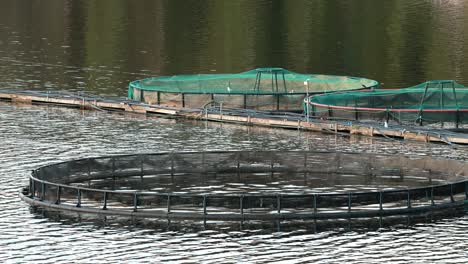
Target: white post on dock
{"type": "Point", "coordinates": [306, 83]}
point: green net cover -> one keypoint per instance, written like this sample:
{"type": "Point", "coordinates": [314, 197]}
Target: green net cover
{"type": "Point", "coordinates": [259, 81]}
{"type": "Point", "coordinates": [439, 94]}
{"type": "Point", "coordinates": [429, 102]}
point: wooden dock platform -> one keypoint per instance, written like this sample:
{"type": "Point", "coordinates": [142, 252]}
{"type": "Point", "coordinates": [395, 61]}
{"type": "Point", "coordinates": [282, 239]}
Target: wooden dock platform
{"type": "Point", "coordinates": [279, 120]}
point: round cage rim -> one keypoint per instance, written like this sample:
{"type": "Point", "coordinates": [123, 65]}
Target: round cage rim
{"type": "Point", "coordinates": [465, 180]}
{"type": "Point", "coordinates": [284, 208]}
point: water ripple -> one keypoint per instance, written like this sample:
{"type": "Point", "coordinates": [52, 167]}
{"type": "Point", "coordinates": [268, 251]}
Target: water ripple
{"type": "Point", "coordinates": [33, 136]}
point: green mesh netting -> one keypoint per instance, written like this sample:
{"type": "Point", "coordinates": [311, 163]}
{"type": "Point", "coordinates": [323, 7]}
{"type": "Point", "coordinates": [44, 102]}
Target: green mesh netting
{"type": "Point", "coordinates": [258, 81]}
{"type": "Point", "coordinates": [432, 101]}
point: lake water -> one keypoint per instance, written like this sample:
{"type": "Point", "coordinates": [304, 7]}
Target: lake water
{"type": "Point", "coordinates": [98, 46]}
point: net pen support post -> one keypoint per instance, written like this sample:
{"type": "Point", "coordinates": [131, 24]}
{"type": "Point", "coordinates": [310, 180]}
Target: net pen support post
{"type": "Point", "coordinates": [306, 83]}
{"type": "Point", "coordinates": [32, 184]}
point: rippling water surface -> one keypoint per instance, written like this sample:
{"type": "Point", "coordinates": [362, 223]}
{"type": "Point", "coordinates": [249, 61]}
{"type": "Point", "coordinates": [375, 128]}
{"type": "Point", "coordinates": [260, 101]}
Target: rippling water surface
{"type": "Point", "coordinates": [32, 136]}
{"type": "Point", "coordinates": [99, 46]}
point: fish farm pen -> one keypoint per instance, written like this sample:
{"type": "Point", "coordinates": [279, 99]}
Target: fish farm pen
{"type": "Point", "coordinates": [442, 102]}
{"type": "Point", "coordinates": [269, 89]}
{"type": "Point", "coordinates": [251, 185]}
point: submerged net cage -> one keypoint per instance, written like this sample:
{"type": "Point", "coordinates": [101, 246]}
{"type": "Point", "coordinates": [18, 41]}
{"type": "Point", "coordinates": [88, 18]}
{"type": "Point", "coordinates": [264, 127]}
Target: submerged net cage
{"type": "Point", "coordinates": [441, 101]}
{"type": "Point", "coordinates": [251, 185]}
{"type": "Point", "coordinates": [261, 89]}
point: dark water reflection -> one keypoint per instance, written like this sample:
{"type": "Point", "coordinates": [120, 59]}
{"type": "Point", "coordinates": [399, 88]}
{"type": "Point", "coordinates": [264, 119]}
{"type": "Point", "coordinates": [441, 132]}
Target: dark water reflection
{"type": "Point", "coordinates": [99, 46]}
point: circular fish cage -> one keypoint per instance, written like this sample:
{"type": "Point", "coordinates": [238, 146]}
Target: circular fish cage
{"type": "Point", "coordinates": [250, 185]}
{"type": "Point", "coordinates": [432, 102]}
{"type": "Point", "coordinates": [268, 89]}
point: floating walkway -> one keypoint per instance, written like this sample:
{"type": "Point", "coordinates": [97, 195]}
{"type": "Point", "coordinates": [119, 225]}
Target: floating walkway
{"type": "Point", "coordinates": [219, 113]}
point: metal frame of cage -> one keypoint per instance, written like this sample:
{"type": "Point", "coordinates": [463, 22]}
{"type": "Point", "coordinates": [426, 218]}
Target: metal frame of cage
{"type": "Point", "coordinates": [53, 186]}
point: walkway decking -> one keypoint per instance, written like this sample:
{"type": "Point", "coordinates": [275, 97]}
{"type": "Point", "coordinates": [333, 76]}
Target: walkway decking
{"type": "Point", "coordinates": [246, 117]}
